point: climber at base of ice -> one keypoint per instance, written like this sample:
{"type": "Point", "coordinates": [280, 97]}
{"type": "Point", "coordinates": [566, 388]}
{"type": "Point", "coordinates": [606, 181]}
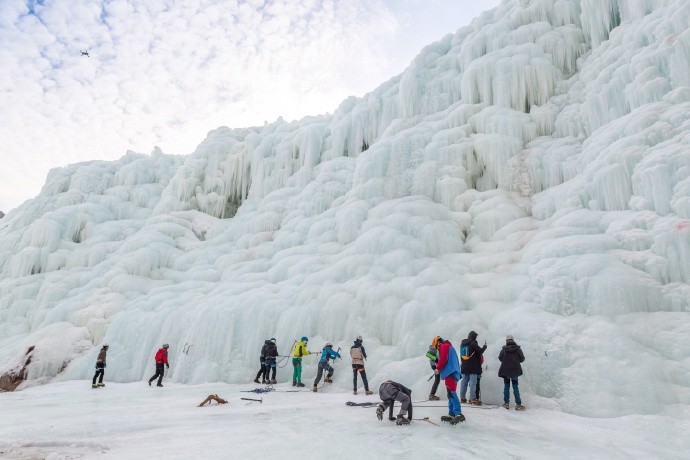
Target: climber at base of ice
{"type": "Point", "coordinates": [271, 355]}
{"type": "Point", "coordinates": [299, 351]}
{"type": "Point", "coordinates": [100, 368]}
{"type": "Point", "coordinates": [326, 355]}
{"type": "Point", "coordinates": [448, 367]}
{"type": "Point", "coordinates": [510, 357]}
{"type": "Point", "coordinates": [389, 392]}
{"type": "Point", "coordinates": [161, 360]}
{"type": "Point", "coordinates": [359, 355]}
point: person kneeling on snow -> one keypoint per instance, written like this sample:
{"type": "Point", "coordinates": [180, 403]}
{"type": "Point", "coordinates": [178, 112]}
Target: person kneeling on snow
{"type": "Point", "coordinates": [448, 367]}
{"type": "Point", "coordinates": [389, 392]}
{"type": "Point", "coordinates": [100, 368]}
{"type": "Point", "coordinates": [326, 355]}
{"type": "Point", "coordinates": [510, 357]}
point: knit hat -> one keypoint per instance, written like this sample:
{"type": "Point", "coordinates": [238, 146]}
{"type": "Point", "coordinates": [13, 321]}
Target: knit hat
{"type": "Point", "coordinates": [509, 337]}
{"type": "Point", "coordinates": [359, 338]}
{"type": "Point", "coordinates": [304, 339]}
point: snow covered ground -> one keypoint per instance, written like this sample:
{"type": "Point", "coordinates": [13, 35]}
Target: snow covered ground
{"type": "Point", "coordinates": [70, 420]}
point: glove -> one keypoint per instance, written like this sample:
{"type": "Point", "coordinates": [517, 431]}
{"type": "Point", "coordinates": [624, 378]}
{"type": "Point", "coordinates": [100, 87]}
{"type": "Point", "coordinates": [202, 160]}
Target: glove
{"type": "Point", "coordinates": [168, 366]}
{"type": "Point", "coordinates": [436, 371]}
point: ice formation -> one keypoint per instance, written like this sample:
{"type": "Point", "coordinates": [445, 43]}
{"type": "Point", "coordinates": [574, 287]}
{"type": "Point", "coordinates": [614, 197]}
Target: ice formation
{"type": "Point", "coordinates": [529, 174]}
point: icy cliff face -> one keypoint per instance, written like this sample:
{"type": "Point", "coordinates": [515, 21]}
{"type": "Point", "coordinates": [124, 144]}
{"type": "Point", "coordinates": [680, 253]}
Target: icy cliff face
{"type": "Point", "coordinates": [528, 175]}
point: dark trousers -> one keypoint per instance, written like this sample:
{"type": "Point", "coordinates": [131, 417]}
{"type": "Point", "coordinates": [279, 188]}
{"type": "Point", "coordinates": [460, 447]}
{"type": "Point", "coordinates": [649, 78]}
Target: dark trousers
{"type": "Point", "coordinates": [262, 372]}
{"type": "Point", "coordinates": [270, 369]}
{"type": "Point", "coordinates": [434, 387]}
{"type": "Point", "coordinates": [160, 371]}
{"type": "Point", "coordinates": [478, 394]}
{"type": "Point", "coordinates": [323, 367]}
{"type": "Point", "coordinates": [99, 373]}
{"type": "Point", "coordinates": [359, 368]}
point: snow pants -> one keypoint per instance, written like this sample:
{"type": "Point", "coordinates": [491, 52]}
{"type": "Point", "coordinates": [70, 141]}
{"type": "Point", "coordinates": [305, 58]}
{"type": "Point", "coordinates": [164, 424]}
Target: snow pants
{"type": "Point", "coordinates": [437, 381]}
{"type": "Point", "coordinates": [262, 371]}
{"type": "Point", "coordinates": [506, 389]}
{"type": "Point", "coordinates": [100, 370]}
{"type": "Point", "coordinates": [160, 371]}
{"type": "Point", "coordinates": [270, 367]}
{"type": "Point", "coordinates": [323, 367]}
{"type": "Point", "coordinates": [296, 370]}
{"type": "Point", "coordinates": [359, 368]}
{"type": "Point", "coordinates": [454, 407]}
{"type": "Point", "coordinates": [470, 379]}
{"type": "Point", "coordinates": [389, 394]}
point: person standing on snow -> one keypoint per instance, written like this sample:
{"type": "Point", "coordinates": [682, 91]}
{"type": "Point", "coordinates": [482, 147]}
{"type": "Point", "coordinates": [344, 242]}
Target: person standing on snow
{"type": "Point", "coordinates": [389, 392]}
{"type": "Point", "coordinates": [100, 368]}
{"type": "Point", "coordinates": [358, 355]}
{"type": "Point", "coordinates": [471, 355]}
{"type": "Point", "coordinates": [510, 357]}
{"type": "Point", "coordinates": [326, 355]}
{"type": "Point", "coordinates": [262, 360]}
{"type": "Point", "coordinates": [161, 360]}
{"type": "Point", "coordinates": [432, 354]}
{"type": "Point", "coordinates": [298, 353]}
{"type": "Point", "coordinates": [448, 367]}
{"type": "Point", "coordinates": [271, 355]}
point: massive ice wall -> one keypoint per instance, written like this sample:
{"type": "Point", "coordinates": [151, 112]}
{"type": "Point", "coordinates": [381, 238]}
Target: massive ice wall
{"type": "Point", "coordinates": [529, 174]}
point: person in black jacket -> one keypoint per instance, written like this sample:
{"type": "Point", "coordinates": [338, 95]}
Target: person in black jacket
{"type": "Point", "coordinates": [262, 360]}
{"type": "Point", "coordinates": [510, 357]}
{"type": "Point", "coordinates": [389, 392]}
{"type": "Point", "coordinates": [471, 366]}
{"type": "Point", "coordinates": [271, 355]}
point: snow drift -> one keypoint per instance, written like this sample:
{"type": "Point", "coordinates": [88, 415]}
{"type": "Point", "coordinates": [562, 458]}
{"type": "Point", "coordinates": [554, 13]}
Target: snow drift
{"type": "Point", "coordinates": [529, 174]}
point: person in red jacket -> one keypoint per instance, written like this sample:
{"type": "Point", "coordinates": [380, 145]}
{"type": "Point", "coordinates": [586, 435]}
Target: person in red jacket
{"type": "Point", "coordinates": [161, 360]}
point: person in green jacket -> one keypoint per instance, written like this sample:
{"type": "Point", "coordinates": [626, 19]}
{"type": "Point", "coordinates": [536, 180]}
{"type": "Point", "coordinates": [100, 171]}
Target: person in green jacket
{"type": "Point", "coordinates": [299, 351]}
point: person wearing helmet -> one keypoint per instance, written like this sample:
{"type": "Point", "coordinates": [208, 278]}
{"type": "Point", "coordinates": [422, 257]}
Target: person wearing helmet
{"type": "Point", "coordinates": [432, 354]}
{"type": "Point", "coordinates": [448, 368]}
{"type": "Point", "coordinates": [298, 353]}
{"type": "Point", "coordinates": [326, 355]}
{"type": "Point", "coordinates": [161, 360]}
{"type": "Point", "coordinates": [100, 368]}
{"type": "Point", "coordinates": [358, 355]}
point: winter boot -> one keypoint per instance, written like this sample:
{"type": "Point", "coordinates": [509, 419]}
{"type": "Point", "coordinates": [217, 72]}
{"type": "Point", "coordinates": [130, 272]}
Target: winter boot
{"type": "Point", "coordinates": [94, 386]}
{"type": "Point", "coordinates": [273, 382]}
{"type": "Point", "coordinates": [149, 383]}
{"type": "Point", "coordinates": [463, 400]}
{"type": "Point", "coordinates": [401, 420]}
{"type": "Point", "coordinates": [433, 398]}
{"type": "Point", "coordinates": [519, 407]}
{"type": "Point", "coordinates": [379, 411]}
{"type": "Point", "coordinates": [475, 402]}
{"type": "Point", "coordinates": [506, 405]}
{"type": "Point", "coordinates": [314, 389]}
{"type": "Point", "coordinates": [300, 384]}
{"type": "Point", "coordinates": [446, 418]}
{"type": "Point", "coordinates": [328, 380]}
{"type": "Point", "coordinates": [354, 392]}
{"type": "Point", "coordinates": [294, 384]}
{"type": "Point", "coordinates": [159, 385]}
{"type": "Point", "coordinates": [100, 384]}
{"type": "Point", "coordinates": [256, 380]}
{"type": "Point", "coordinates": [263, 381]}
{"type": "Point", "coordinates": [457, 419]}
{"type": "Point", "coordinates": [369, 392]}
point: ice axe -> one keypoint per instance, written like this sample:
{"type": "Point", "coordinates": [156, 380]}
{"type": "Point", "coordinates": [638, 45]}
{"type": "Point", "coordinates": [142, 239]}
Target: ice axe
{"type": "Point", "coordinates": [251, 400]}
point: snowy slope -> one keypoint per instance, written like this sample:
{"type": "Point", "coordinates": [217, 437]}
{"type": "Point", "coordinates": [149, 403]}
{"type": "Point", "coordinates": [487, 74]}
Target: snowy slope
{"type": "Point", "coordinates": [529, 175]}
{"type": "Point", "coordinates": [68, 420]}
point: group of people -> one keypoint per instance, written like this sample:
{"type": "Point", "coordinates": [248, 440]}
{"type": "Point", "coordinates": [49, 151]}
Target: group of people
{"type": "Point", "coordinates": [465, 368]}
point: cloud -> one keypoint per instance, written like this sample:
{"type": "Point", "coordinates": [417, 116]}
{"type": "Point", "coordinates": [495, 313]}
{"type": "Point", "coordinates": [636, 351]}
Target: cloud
{"type": "Point", "coordinates": [164, 72]}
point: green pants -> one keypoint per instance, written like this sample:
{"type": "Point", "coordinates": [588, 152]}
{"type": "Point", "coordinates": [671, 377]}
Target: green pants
{"type": "Point", "coordinates": [297, 370]}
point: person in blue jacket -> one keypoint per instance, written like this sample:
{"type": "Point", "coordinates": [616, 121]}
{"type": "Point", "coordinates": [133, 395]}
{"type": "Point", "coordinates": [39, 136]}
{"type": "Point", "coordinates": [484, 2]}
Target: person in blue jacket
{"type": "Point", "coordinates": [448, 367]}
{"type": "Point", "coordinates": [326, 355]}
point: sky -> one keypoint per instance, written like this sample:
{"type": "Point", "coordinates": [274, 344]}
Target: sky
{"type": "Point", "coordinates": [166, 72]}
